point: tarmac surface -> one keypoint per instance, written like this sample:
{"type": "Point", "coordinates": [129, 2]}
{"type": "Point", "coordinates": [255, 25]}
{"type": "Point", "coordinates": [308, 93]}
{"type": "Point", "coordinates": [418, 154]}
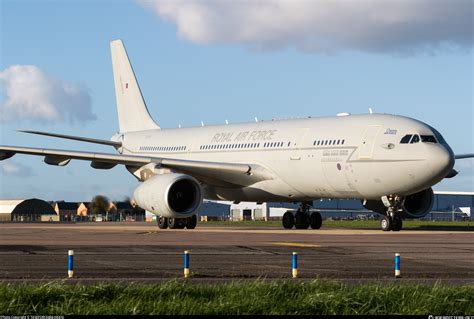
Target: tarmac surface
{"type": "Point", "coordinates": [140, 252]}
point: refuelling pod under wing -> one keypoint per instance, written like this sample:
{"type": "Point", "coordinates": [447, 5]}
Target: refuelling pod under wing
{"type": "Point", "coordinates": [170, 195]}
{"type": "Point", "coordinates": [416, 205]}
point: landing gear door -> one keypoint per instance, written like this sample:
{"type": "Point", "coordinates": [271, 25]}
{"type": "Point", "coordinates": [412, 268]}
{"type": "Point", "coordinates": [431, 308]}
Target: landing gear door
{"type": "Point", "coordinates": [366, 146]}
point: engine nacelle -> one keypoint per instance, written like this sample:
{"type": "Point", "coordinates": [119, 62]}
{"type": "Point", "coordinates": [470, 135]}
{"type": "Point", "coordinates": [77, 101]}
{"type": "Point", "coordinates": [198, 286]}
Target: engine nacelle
{"type": "Point", "coordinates": [170, 195]}
{"type": "Point", "coordinates": [419, 204]}
{"type": "Point", "coordinates": [414, 206]}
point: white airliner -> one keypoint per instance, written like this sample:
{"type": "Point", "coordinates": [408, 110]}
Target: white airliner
{"type": "Point", "coordinates": [389, 162]}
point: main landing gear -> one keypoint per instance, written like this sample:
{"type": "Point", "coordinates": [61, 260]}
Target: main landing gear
{"type": "Point", "coordinates": [177, 223]}
{"type": "Point", "coordinates": [392, 219]}
{"type": "Point", "coordinates": [302, 218]}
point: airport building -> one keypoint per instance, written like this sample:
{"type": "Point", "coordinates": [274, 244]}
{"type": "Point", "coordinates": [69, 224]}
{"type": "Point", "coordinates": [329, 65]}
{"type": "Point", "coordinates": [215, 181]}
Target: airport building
{"type": "Point", "coordinates": [33, 210]}
{"type": "Point", "coordinates": [6, 208]}
{"type": "Point", "coordinates": [213, 210]}
{"type": "Point", "coordinates": [446, 206]}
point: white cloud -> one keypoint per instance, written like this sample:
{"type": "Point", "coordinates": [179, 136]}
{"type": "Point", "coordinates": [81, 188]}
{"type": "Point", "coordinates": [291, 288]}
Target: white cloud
{"type": "Point", "coordinates": [16, 169]}
{"type": "Point", "coordinates": [390, 26]}
{"type": "Point", "coordinates": [32, 94]}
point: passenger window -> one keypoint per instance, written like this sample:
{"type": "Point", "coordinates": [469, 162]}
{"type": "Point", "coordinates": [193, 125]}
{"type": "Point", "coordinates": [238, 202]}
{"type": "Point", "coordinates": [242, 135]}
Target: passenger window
{"type": "Point", "coordinates": [415, 139]}
{"type": "Point", "coordinates": [405, 139]}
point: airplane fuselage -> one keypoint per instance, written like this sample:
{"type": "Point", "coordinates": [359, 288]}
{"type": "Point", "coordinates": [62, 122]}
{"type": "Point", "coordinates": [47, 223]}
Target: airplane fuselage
{"type": "Point", "coordinates": [389, 162]}
{"type": "Point", "coordinates": [352, 156]}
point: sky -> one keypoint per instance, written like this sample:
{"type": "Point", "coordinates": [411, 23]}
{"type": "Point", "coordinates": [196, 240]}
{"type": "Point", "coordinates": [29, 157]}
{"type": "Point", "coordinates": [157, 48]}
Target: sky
{"type": "Point", "coordinates": [214, 61]}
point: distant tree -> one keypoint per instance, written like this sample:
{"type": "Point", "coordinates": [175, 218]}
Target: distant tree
{"type": "Point", "coordinates": [99, 205]}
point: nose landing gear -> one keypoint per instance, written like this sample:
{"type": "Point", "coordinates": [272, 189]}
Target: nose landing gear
{"type": "Point", "coordinates": [388, 223]}
{"type": "Point", "coordinates": [392, 219]}
{"type": "Point", "coordinates": [302, 218]}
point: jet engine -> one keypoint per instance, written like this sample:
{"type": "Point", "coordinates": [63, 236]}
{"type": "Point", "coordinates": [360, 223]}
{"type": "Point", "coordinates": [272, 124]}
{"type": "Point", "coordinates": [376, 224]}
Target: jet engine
{"type": "Point", "coordinates": [170, 195]}
{"type": "Point", "coordinates": [414, 206]}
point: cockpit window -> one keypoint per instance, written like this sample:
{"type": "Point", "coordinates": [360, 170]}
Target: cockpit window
{"type": "Point", "coordinates": [438, 135]}
{"type": "Point", "coordinates": [428, 139]}
{"type": "Point", "coordinates": [415, 139]}
{"type": "Point", "coordinates": [405, 139]}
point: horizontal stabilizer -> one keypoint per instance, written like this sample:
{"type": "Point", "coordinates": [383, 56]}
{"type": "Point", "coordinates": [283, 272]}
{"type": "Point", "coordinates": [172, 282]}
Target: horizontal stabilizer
{"type": "Point", "coordinates": [76, 138]}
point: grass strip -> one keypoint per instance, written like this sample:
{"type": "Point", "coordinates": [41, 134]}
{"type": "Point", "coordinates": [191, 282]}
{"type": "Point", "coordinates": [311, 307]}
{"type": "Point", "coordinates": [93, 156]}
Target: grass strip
{"type": "Point", "coordinates": [258, 297]}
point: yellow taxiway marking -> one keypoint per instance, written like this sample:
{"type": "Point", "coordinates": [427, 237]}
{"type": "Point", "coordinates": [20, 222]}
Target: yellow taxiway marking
{"type": "Point", "coordinates": [296, 244]}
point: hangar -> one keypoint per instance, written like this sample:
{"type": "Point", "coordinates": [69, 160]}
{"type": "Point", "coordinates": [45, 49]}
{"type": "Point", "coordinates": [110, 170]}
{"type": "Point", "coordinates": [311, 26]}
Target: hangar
{"type": "Point", "coordinates": [6, 208]}
{"type": "Point", "coordinates": [33, 210]}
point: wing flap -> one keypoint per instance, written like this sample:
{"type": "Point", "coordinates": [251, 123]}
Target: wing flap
{"type": "Point", "coordinates": [56, 160]}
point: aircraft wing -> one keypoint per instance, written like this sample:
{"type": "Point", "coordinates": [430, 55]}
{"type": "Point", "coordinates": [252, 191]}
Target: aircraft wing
{"type": "Point", "coordinates": [461, 156]}
{"type": "Point", "coordinates": [217, 173]}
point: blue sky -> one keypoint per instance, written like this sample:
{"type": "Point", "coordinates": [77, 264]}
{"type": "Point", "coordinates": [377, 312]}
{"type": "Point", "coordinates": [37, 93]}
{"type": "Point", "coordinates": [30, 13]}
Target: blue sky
{"type": "Point", "coordinates": [224, 67]}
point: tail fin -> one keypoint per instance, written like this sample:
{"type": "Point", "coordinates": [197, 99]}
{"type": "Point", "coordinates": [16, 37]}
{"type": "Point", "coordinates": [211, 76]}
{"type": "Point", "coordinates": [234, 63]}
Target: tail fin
{"type": "Point", "coordinates": [132, 112]}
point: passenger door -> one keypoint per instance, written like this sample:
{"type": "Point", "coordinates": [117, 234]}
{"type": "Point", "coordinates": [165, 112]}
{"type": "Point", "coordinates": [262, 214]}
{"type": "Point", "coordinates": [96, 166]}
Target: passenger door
{"type": "Point", "coordinates": [367, 143]}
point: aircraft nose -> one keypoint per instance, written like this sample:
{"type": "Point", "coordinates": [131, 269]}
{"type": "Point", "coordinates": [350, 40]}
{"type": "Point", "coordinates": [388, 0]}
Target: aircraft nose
{"type": "Point", "coordinates": [441, 161]}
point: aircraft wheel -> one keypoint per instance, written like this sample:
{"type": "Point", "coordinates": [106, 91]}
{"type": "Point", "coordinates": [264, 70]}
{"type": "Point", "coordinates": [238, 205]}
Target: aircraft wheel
{"type": "Point", "coordinates": [162, 222]}
{"type": "Point", "coordinates": [386, 223]}
{"type": "Point", "coordinates": [316, 220]}
{"type": "Point", "coordinates": [288, 220]}
{"type": "Point", "coordinates": [191, 222]}
{"type": "Point", "coordinates": [397, 224]}
{"type": "Point", "coordinates": [301, 220]}
{"type": "Point", "coordinates": [181, 223]}
{"type": "Point", "coordinates": [172, 223]}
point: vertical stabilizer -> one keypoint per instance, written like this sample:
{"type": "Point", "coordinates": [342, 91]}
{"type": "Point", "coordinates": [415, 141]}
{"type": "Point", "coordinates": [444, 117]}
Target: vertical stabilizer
{"type": "Point", "coordinates": [132, 112]}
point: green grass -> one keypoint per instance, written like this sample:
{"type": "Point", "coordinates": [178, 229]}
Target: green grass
{"type": "Point", "coordinates": [277, 297]}
{"type": "Point", "coordinates": [357, 224]}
